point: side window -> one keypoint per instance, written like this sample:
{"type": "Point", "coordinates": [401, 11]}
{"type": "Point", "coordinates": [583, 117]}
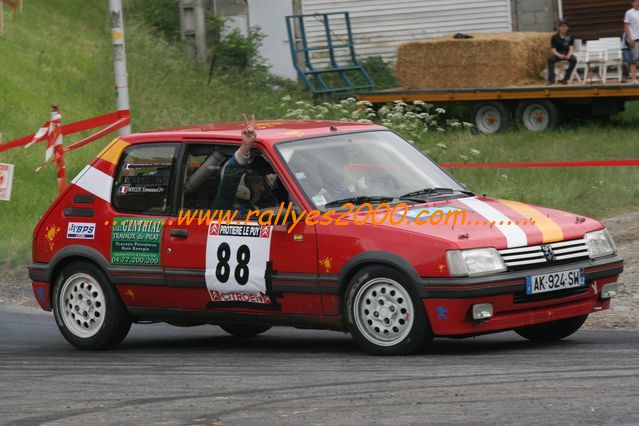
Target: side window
{"type": "Point", "coordinates": [143, 181]}
{"type": "Point", "coordinates": [202, 174]}
{"type": "Point", "coordinates": [213, 180]}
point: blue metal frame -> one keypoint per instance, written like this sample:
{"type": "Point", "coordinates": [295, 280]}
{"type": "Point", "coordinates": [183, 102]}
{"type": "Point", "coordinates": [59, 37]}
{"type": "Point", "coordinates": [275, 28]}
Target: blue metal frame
{"type": "Point", "coordinates": [307, 72]}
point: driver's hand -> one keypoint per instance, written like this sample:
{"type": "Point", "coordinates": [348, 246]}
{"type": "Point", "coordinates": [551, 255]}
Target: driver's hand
{"type": "Point", "coordinates": [248, 133]}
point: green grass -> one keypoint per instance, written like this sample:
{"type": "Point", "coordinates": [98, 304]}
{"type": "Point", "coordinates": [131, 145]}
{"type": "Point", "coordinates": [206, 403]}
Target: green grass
{"type": "Point", "coordinates": [60, 52]}
{"type": "Point", "coordinates": [599, 192]}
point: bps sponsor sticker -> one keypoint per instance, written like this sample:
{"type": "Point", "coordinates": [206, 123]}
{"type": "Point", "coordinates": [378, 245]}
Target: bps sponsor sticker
{"type": "Point", "coordinates": [136, 241]}
{"type": "Point", "coordinates": [81, 231]}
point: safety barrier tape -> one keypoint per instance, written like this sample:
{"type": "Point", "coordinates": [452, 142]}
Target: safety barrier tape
{"type": "Point", "coordinates": [597, 163]}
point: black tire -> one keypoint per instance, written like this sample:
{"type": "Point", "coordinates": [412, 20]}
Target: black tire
{"type": "Point", "coordinates": [490, 117]}
{"type": "Point", "coordinates": [105, 307]}
{"type": "Point", "coordinates": [552, 331]}
{"type": "Point", "coordinates": [400, 299]}
{"type": "Point", "coordinates": [244, 330]}
{"type": "Point", "coordinates": [537, 116]}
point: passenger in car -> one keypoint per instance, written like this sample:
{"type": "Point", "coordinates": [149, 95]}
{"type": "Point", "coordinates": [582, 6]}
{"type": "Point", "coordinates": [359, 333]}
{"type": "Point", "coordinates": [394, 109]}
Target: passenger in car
{"type": "Point", "coordinates": [242, 185]}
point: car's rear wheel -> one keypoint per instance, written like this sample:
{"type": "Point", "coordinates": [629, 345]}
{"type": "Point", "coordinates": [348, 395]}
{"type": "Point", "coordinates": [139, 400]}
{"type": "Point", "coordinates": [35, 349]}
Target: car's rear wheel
{"type": "Point", "coordinates": [384, 313]}
{"type": "Point", "coordinates": [88, 311]}
{"type": "Point", "coordinates": [244, 330]}
{"type": "Point", "coordinates": [552, 331]}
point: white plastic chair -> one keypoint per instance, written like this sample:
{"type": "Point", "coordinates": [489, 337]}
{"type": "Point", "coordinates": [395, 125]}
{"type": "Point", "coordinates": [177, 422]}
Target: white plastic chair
{"type": "Point", "coordinates": [614, 59]}
{"type": "Point", "coordinates": [581, 66]}
{"type": "Point", "coordinates": [596, 54]}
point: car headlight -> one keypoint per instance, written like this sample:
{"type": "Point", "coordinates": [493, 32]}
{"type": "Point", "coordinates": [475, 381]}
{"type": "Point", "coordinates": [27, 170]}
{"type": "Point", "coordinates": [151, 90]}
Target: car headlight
{"type": "Point", "coordinates": [474, 262]}
{"type": "Point", "coordinates": [600, 243]}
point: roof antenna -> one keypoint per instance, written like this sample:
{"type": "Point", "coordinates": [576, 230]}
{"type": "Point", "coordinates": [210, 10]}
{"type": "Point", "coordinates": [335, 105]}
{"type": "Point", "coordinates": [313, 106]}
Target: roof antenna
{"type": "Point", "coordinates": [333, 128]}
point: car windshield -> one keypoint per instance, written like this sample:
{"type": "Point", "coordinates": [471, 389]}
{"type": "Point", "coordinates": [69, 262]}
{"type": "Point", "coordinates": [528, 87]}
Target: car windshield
{"type": "Point", "coordinates": [363, 167]}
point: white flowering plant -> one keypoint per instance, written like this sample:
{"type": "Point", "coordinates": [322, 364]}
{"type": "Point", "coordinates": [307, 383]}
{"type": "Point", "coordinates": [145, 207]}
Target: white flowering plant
{"type": "Point", "coordinates": [412, 120]}
{"type": "Point", "coordinates": [408, 119]}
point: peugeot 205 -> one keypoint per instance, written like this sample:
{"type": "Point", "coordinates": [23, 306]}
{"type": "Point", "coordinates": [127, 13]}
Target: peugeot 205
{"type": "Point", "coordinates": [310, 224]}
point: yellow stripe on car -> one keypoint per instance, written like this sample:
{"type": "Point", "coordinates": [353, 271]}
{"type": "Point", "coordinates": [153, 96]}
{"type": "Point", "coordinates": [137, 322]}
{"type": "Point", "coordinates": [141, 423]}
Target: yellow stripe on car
{"type": "Point", "coordinates": [550, 230]}
{"type": "Point", "coordinates": [112, 151]}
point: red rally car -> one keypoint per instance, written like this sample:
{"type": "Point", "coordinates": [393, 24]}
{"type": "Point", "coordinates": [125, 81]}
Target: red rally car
{"type": "Point", "coordinates": [380, 261]}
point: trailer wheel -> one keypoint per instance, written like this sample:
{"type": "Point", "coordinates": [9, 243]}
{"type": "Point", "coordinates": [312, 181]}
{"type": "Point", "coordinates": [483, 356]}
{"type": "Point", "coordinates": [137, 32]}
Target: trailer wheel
{"type": "Point", "coordinates": [490, 117]}
{"type": "Point", "coordinates": [537, 116]}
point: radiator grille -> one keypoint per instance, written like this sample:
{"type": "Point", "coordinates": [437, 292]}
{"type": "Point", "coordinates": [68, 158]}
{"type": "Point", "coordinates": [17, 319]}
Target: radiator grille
{"type": "Point", "coordinates": [540, 255]}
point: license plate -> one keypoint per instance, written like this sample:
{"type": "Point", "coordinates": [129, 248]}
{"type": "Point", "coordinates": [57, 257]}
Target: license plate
{"type": "Point", "coordinates": [555, 281]}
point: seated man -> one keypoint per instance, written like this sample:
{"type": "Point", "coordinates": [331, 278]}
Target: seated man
{"type": "Point", "coordinates": [562, 50]}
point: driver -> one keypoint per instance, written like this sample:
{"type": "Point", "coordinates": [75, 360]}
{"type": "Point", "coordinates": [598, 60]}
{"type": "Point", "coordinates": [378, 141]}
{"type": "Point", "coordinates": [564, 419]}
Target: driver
{"type": "Point", "coordinates": [336, 185]}
{"type": "Point", "coordinates": [333, 185]}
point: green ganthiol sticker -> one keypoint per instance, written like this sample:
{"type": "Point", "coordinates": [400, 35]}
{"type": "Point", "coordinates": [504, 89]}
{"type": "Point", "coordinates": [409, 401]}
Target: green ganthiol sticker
{"type": "Point", "coordinates": [136, 241]}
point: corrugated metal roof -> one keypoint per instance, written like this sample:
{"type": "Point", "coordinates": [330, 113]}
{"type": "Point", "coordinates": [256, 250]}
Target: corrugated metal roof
{"type": "Point", "coordinates": [593, 19]}
{"type": "Point", "coordinates": [379, 25]}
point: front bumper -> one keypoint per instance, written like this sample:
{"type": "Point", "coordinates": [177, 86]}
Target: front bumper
{"type": "Point", "coordinates": [449, 301]}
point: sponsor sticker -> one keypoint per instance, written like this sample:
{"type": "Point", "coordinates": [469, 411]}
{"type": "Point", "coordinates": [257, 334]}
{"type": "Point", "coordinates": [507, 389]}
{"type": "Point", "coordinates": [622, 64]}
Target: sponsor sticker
{"type": "Point", "coordinates": [136, 241]}
{"type": "Point", "coordinates": [319, 200]}
{"type": "Point", "coordinates": [6, 181]}
{"type": "Point", "coordinates": [442, 313]}
{"type": "Point", "coordinates": [81, 231]}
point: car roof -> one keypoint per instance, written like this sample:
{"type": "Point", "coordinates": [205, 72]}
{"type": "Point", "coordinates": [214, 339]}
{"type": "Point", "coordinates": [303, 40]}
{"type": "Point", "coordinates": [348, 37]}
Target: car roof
{"type": "Point", "coordinates": [268, 132]}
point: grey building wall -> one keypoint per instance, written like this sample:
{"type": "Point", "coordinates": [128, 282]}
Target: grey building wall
{"type": "Point", "coordinates": [224, 8]}
{"type": "Point", "coordinates": [534, 15]}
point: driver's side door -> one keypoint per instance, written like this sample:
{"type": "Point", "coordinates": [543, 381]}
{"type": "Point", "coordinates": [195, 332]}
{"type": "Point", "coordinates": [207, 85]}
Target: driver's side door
{"type": "Point", "coordinates": [235, 266]}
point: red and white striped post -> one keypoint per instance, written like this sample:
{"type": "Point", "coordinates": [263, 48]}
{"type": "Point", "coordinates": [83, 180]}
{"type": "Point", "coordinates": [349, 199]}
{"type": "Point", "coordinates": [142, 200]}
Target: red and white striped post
{"type": "Point", "coordinates": [55, 149]}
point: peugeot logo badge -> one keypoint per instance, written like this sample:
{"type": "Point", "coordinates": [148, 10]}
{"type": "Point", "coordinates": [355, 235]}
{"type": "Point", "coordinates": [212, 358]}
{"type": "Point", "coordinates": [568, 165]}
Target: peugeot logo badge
{"type": "Point", "coordinates": [548, 253]}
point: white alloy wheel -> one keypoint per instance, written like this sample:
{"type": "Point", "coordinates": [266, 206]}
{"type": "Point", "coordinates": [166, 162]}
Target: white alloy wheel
{"type": "Point", "coordinates": [82, 305]}
{"type": "Point", "coordinates": [383, 311]}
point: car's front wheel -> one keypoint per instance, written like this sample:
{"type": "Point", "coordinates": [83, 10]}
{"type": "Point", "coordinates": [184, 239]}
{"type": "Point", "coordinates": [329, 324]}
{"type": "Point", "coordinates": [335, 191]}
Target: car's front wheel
{"type": "Point", "coordinates": [88, 311]}
{"type": "Point", "coordinates": [552, 331]}
{"type": "Point", "coordinates": [384, 313]}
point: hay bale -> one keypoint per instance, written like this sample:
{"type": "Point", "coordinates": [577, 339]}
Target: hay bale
{"type": "Point", "coordinates": [486, 60]}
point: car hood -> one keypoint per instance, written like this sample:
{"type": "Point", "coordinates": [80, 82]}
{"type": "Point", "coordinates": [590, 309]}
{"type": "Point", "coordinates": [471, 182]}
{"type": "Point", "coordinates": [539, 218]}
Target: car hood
{"type": "Point", "coordinates": [486, 222]}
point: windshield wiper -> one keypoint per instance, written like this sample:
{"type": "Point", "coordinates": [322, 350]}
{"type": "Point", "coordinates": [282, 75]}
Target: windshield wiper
{"type": "Point", "coordinates": [426, 192]}
{"type": "Point", "coordinates": [361, 199]}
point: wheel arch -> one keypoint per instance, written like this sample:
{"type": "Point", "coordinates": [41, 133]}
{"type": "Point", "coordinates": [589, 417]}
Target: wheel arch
{"type": "Point", "coordinates": [362, 260]}
{"type": "Point", "coordinates": [72, 254]}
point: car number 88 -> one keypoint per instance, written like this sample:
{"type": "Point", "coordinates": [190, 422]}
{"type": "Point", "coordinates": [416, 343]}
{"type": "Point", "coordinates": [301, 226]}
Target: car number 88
{"type": "Point", "coordinates": [223, 268]}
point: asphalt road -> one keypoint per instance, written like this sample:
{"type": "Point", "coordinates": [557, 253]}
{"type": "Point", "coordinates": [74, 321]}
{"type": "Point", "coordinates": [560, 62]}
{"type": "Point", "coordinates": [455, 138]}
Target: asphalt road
{"type": "Point", "coordinates": [168, 375]}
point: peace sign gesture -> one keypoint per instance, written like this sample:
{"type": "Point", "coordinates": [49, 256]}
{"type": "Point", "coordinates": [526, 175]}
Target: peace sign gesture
{"type": "Point", "coordinates": [248, 134]}
{"type": "Point", "coordinates": [248, 137]}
